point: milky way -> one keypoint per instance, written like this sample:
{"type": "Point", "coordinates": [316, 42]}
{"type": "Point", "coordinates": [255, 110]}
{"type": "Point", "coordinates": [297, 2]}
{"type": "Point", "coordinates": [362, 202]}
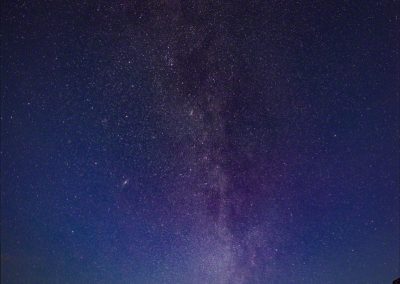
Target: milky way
{"type": "Point", "coordinates": [200, 142]}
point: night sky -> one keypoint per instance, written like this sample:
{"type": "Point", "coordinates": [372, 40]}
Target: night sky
{"type": "Point", "coordinates": [171, 141]}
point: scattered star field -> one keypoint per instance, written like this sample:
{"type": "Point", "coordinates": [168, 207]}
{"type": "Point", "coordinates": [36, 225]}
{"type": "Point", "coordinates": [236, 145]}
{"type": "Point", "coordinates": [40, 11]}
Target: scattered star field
{"type": "Point", "coordinates": [226, 142]}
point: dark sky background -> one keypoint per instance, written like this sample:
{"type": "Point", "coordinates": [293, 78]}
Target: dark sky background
{"type": "Point", "coordinates": [200, 141]}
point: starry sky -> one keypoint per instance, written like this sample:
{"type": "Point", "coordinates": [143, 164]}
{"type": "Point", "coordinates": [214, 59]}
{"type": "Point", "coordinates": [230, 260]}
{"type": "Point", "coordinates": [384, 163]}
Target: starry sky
{"type": "Point", "coordinates": [170, 141]}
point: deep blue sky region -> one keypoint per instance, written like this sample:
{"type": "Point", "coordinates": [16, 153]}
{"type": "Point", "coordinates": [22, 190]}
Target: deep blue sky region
{"type": "Point", "coordinates": [226, 142]}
